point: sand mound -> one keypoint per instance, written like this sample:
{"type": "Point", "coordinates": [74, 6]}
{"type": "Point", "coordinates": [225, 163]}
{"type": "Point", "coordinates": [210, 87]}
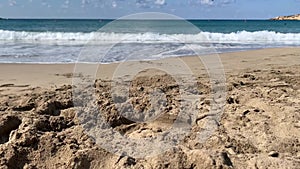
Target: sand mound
{"type": "Point", "coordinates": [259, 128]}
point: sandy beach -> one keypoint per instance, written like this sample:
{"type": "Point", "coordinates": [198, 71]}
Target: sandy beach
{"type": "Point", "coordinates": [259, 127]}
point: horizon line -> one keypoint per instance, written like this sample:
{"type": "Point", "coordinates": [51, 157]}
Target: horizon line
{"type": "Point", "coordinates": [50, 18]}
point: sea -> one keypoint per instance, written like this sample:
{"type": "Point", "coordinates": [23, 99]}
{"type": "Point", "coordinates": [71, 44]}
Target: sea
{"type": "Point", "coordinates": [107, 41]}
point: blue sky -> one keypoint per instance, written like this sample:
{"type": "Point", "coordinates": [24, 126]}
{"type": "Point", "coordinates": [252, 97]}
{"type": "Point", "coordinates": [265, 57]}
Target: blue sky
{"type": "Point", "coordinates": [201, 9]}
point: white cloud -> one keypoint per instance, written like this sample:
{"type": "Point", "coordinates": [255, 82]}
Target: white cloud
{"type": "Point", "coordinates": [12, 2]}
{"type": "Point", "coordinates": [84, 3]}
{"type": "Point", "coordinates": [207, 2]}
{"type": "Point", "coordinates": [160, 2]}
{"type": "Point", "coordinates": [143, 3]}
{"type": "Point", "coordinates": [98, 3]}
{"type": "Point", "coordinates": [66, 4]}
{"type": "Point", "coordinates": [114, 4]}
{"type": "Point", "coordinates": [150, 3]}
{"type": "Point", "coordinates": [44, 3]}
{"type": "Point", "coordinates": [228, 1]}
{"type": "Point", "coordinates": [210, 2]}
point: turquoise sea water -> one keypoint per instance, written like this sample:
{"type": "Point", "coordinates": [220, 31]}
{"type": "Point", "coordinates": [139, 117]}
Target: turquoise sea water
{"type": "Point", "coordinates": [60, 41]}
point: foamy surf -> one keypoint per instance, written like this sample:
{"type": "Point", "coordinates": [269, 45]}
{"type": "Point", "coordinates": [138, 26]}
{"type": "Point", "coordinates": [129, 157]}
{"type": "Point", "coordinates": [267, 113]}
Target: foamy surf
{"type": "Point", "coordinates": [241, 37]}
{"type": "Point", "coordinates": [62, 41]}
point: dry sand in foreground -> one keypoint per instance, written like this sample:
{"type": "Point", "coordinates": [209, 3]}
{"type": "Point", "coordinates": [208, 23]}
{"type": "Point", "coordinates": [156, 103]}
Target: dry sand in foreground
{"type": "Point", "coordinates": [259, 128]}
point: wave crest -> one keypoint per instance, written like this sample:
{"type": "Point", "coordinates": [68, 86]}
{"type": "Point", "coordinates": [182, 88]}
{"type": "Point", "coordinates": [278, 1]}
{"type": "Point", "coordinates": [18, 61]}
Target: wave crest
{"type": "Point", "coordinates": [242, 37]}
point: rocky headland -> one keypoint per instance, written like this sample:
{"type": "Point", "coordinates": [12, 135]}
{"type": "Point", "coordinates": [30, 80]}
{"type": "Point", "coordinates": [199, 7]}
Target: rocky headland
{"type": "Point", "coordinates": [290, 17]}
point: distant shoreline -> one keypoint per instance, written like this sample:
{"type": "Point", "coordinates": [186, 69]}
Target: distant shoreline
{"type": "Point", "coordinates": [289, 17]}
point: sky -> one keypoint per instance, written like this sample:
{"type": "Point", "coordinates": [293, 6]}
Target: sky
{"type": "Point", "coordinates": [189, 9]}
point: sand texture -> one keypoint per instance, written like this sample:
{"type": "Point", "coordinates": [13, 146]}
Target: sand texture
{"type": "Point", "coordinates": [259, 128]}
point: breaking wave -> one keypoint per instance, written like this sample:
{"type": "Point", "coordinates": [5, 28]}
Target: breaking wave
{"type": "Point", "coordinates": [241, 37]}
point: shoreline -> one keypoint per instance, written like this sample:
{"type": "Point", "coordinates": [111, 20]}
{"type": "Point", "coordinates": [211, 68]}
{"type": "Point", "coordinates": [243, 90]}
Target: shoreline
{"type": "Point", "coordinates": [49, 76]}
{"type": "Point", "coordinates": [45, 73]}
{"type": "Point", "coordinates": [217, 53]}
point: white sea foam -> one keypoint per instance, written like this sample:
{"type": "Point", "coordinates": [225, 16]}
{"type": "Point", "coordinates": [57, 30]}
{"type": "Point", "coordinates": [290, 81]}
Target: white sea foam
{"type": "Point", "coordinates": [65, 47]}
{"type": "Point", "coordinates": [242, 37]}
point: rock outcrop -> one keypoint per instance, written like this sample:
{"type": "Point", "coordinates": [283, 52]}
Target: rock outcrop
{"type": "Point", "coordinates": [290, 17]}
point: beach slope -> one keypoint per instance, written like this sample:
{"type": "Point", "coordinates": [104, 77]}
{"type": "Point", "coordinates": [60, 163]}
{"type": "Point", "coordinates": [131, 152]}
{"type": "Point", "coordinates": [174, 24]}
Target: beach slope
{"type": "Point", "coordinates": [259, 128]}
